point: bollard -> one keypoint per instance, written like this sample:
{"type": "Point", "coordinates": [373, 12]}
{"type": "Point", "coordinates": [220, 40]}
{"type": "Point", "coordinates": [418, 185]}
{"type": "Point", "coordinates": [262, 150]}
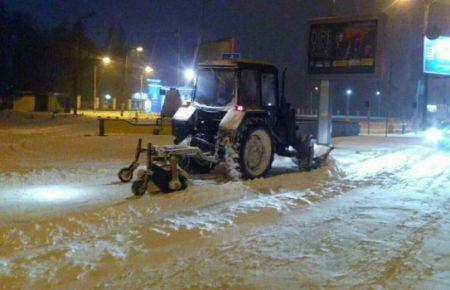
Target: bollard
{"type": "Point", "coordinates": [101, 127]}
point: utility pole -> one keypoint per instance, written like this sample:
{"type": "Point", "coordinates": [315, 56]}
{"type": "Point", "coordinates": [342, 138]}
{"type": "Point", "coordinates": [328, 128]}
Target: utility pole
{"type": "Point", "coordinates": [76, 60]}
{"type": "Point", "coordinates": [331, 8]}
{"type": "Point", "coordinates": [94, 87]}
{"type": "Point", "coordinates": [178, 36]}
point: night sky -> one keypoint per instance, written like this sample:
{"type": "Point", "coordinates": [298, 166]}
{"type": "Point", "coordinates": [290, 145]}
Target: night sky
{"type": "Point", "coordinates": [268, 30]}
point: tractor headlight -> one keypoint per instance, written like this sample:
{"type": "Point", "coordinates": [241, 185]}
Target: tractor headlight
{"type": "Point", "coordinates": [434, 135]}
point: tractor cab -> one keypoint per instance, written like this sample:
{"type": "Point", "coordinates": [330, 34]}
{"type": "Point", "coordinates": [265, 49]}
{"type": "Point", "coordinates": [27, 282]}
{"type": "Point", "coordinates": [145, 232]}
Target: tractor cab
{"type": "Point", "coordinates": [226, 84]}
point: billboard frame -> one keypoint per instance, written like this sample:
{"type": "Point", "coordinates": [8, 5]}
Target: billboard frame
{"type": "Point", "coordinates": [379, 56]}
{"type": "Point", "coordinates": [424, 64]}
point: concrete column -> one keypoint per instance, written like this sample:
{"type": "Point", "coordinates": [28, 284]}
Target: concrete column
{"type": "Point", "coordinates": [113, 104]}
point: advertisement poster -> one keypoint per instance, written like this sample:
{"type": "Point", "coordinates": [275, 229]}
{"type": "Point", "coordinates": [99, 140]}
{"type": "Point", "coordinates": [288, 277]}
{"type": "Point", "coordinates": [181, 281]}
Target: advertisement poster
{"type": "Point", "coordinates": [343, 47]}
{"type": "Point", "coordinates": [437, 56]}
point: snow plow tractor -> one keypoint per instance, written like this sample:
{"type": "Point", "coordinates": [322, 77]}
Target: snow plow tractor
{"type": "Point", "coordinates": [238, 115]}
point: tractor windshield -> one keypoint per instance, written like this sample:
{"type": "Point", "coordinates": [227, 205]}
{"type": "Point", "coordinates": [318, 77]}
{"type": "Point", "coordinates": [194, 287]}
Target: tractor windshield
{"type": "Point", "coordinates": [215, 87]}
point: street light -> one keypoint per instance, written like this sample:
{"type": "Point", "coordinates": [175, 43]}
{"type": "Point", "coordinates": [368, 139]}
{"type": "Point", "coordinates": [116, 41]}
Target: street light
{"type": "Point", "coordinates": [378, 94]}
{"type": "Point", "coordinates": [106, 60]}
{"type": "Point", "coordinates": [349, 92]}
{"type": "Point", "coordinates": [148, 69]}
{"type": "Point", "coordinates": [189, 74]}
{"type": "Point", "coordinates": [138, 49]}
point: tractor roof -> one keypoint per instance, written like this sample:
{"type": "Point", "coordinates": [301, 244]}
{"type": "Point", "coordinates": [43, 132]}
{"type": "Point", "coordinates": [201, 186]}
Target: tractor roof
{"type": "Point", "coordinates": [235, 63]}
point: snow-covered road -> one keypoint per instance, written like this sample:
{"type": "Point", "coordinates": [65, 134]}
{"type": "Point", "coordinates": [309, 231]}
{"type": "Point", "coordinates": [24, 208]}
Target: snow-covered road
{"type": "Point", "coordinates": [375, 216]}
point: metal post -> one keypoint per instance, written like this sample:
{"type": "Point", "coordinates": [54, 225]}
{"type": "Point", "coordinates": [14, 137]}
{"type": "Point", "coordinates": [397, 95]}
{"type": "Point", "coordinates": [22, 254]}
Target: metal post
{"type": "Point", "coordinates": [368, 117]}
{"type": "Point", "coordinates": [425, 102]}
{"type": "Point", "coordinates": [178, 35]}
{"type": "Point", "coordinates": [125, 75]}
{"type": "Point", "coordinates": [94, 87]}
{"type": "Point", "coordinates": [141, 88]}
{"type": "Point", "coordinates": [347, 105]}
{"type": "Point", "coordinates": [101, 127]}
{"type": "Point", "coordinates": [331, 7]}
{"type": "Point", "coordinates": [76, 65]}
{"type": "Point", "coordinates": [379, 106]}
{"type": "Point", "coordinates": [387, 121]}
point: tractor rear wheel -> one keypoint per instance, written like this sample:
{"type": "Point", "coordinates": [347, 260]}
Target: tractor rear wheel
{"type": "Point", "coordinates": [255, 152]}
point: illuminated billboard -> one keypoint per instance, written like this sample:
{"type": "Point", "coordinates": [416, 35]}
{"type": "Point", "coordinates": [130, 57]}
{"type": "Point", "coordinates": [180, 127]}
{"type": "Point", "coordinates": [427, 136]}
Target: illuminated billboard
{"type": "Point", "coordinates": [436, 58]}
{"type": "Point", "coordinates": [343, 46]}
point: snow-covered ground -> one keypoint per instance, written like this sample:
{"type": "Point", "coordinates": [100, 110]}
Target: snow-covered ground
{"type": "Point", "coordinates": [376, 215]}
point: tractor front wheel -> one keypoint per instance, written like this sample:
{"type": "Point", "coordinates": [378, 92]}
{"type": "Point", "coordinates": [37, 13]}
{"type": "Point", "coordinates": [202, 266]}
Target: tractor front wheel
{"type": "Point", "coordinates": [255, 153]}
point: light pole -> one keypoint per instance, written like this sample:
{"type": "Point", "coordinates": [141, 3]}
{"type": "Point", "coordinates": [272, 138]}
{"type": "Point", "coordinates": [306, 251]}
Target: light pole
{"type": "Point", "coordinates": [106, 60]}
{"type": "Point", "coordinates": [378, 94]}
{"type": "Point", "coordinates": [138, 49]}
{"type": "Point", "coordinates": [348, 93]}
{"type": "Point", "coordinates": [77, 31]}
{"type": "Point", "coordinates": [147, 70]}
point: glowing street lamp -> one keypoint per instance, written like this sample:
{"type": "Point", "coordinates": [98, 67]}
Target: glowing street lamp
{"type": "Point", "coordinates": [106, 60]}
{"type": "Point", "coordinates": [148, 69]}
{"type": "Point", "coordinates": [349, 92]}
{"type": "Point", "coordinates": [139, 49]}
{"type": "Point", "coordinates": [189, 74]}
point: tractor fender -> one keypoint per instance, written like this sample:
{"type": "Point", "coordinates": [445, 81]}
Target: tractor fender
{"type": "Point", "coordinates": [232, 122]}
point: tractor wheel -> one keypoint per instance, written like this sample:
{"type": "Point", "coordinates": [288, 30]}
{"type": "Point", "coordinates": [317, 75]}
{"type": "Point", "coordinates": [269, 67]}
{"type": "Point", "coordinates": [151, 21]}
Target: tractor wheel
{"type": "Point", "coordinates": [255, 149]}
{"type": "Point", "coordinates": [125, 175]}
{"type": "Point", "coordinates": [195, 165]}
{"type": "Point", "coordinates": [139, 187]}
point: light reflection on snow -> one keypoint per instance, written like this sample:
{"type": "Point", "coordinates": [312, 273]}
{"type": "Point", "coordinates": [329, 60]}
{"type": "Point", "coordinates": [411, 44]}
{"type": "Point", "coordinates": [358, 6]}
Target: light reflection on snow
{"type": "Point", "coordinates": [56, 193]}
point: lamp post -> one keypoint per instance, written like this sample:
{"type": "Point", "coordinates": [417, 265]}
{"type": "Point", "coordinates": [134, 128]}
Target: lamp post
{"type": "Point", "coordinates": [378, 94]}
{"type": "Point", "coordinates": [106, 60]}
{"type": "Point", "coordinates": [147, 70]}
{"type": "Point", "coordinates": [138, 49]}
{"type": "Point", "coordinates": [77, 31]}
{"type": "Point", "coordinates": [348, 93]}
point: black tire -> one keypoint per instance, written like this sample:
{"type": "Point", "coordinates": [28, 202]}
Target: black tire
{"type": "Point", "coordinates": [139, 187]}
{"type": "Point", "coordinates": [194, 165]}
{"type": "Point", "coordinates": [260, 163]}
{"type": "Point", "coordinates": [125, 175]}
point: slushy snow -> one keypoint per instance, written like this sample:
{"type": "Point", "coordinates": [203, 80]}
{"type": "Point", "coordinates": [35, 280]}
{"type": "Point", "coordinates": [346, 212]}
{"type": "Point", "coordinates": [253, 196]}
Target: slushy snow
{"type": "Point", "coordinates": [376, 215]}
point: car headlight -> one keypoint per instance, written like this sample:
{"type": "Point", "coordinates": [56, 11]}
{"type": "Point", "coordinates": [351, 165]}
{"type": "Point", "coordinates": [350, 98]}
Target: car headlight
{"type": "Point", "coordinates": [434, 135]}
